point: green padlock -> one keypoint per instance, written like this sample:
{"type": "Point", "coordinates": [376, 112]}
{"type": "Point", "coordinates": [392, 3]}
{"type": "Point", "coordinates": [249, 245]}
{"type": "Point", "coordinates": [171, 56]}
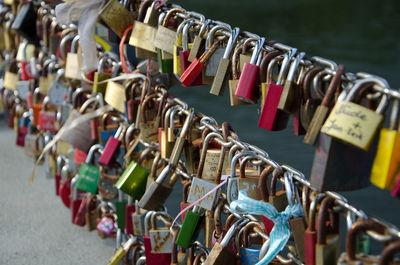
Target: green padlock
{"type": "Point", "coordinates": [120, 206]}
{"type": "Point", "coordinates": [89, 174]}
{"type": "Point", "coordinates": [165, 61]}
{"type": "Point", "coordinates": [190, 227]}
{"type": "Point", "coordinates": [134, 179]}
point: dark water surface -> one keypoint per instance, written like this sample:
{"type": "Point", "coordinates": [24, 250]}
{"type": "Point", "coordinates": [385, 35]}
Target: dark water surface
{"type": "Point", "coordinates": [362, 35]}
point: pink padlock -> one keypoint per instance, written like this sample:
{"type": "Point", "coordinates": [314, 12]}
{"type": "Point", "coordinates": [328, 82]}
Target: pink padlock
{"type": "Point", "coordinates": [111, 147]}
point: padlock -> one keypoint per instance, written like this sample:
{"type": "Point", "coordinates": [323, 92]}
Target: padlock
{"type": "Point", "coordinates": [143, 33]}
{"type": "Point", "coordinates": [213, 228]}
{"type": "Point", "coordinates": [330, 152]}
{"type": "Point", "coordinates": [175, 126]}
{"type": "Point", "coordinates": [265, 62]}
{"type": "Point", "coordinates": [264, 193]}
{"type": "Point", "coordinates": [289, 92]}
{"type": "Point", "coordinates": [80, 218]}
{"type": "Point", "coordinates": [277, 199]}
{"type": "Point", "coordinates": [387, 156]}
{"type": "Point", "coordinates": [192, 150]}
{"type": "Point", "coordinates": [160, 237]}
{"type": "Point", "coordinates": [352, 123]}
{"type": "Point", "coordinates": [115, 96]}
{"type": "Point", "coordinates": [185, 194]}
{"type": "Point", "coordinates": [89, 174]}
{"type": "Point", "coordinates": [25, 23]}
{"type": "Point", "coordinates": [57, 179]}
{"type": "Point", "coordinates": [220, 254]}
{"type": "Point", "coordinates": [65, 187]}
{"type": "Point", "coordinates": [166, 37]}
{"type": "Point", "coordinates": [351, 256]}
{"type": "Point", "coordinates": [199, 41]}
{"type": "Point", "coordinates": [11, 76]}
{"type": "Point", "coordinates": [249, 78]}
{"type": "Point", "coordinates": [100, 75]}
{"type": "Point", "coordinates": [121, 252]}
{"type": "Point", "coordinates": [92, 212]}
{"type": "Point", "coordinates": [249, 255]}
{"type": "Point", "coordinates": [33, 142]}
{"type": "Point", "coordinates": [133, 92]}
{"type": "Point", "coordinates": [212, 161]}
{"type": "Point", "coordinates": [152, 258]}
{"type": "Point", "coordinates": [26, 68]}
{"type": "Point", "coordinates": [54, 37]}
{"type": "Point", "coordinates": [223, 66]}
{"type": "Point", "coordinates": [116, 17]}
{"type": "Point", "coordinates": [138, 220]}
{"type": "Point", "coordinates": [185, 52]}
{"type": "Point", "coordinates": [327, 250]}
{"type": "Point", "coordinates": [158, 192]}
{"type": "Point", "coordinates": [109, 124]}
{"type": "Point", "coordinates": [233, 83]}
{"type": "Point", "coordinates": [134, 179]}
{"type": "Point", "coordinates": [388, 253]}
{"type": "Point", "coordinates": [106, 184]}
{"type": "Point", "coordinates": [177, 49]}
{"type": "Point", "coordinates": [47, 117]}
{"type": "Point", "coordinates": [245, 55]}
{"type": "Point", "coordinates": [311, 233]}
{"type": "Point", "coordinates": [396, 190]}
{"type": "Point", "coordinates": [215, 34]}
{"type": "Point", "coordinates": [111, 149]}
{"type": "Point", "coordinates": [120, 206]}
{"type": "Point", "coordinates": [309, 101]}
{"type": "Point", "coordinates": [73, 62]}
{"type": "Point", "coordinates": [106, 223]}
{"type": "Point", "coordinates": [272, 118]}
{"type": "Point", "coordinates": [148, 125]}
{"type": "Point", "coordinates": [190, 227]}
{"type": "Point", "coordinates": [76, 199]}
{"type": "Point", "coordinates": [249, 182]}
{"type": "Point", "coordinates": [129, 210]}
{"type": "Point", "coordinates": [322, 110]}
{"type": "Point", "coordinates": [181, 257]}
{"type": "Point", "coordinates": [196, 67]}
{"type": "Point", "coordinates": [22, 129]}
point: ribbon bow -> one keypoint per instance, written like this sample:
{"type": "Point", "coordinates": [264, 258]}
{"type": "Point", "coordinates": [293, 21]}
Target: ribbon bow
{"type": "Point", "coordinates": [280, 233]}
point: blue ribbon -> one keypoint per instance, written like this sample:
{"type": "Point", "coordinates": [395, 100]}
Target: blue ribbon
{"type": "Point", "coordinates": [280, 233]}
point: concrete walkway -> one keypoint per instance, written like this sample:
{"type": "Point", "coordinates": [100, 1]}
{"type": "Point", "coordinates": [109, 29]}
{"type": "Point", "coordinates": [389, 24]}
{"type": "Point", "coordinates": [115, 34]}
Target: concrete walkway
{"type": "Point", "coordinates": [35, 227]}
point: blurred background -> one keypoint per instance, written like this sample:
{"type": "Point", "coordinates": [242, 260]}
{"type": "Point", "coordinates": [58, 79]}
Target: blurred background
{"type": "Point", "coordinates": [362, 35]}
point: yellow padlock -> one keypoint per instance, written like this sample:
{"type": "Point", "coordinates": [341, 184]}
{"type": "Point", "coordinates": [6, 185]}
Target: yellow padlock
{"type": "Point", "coordinates": [387, 159]}
{"type": "Point", "coordinates": [355, 124]}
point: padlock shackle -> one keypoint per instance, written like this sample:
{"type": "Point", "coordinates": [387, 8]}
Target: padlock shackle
{"type": "Point", "coordinates": [218, 227]}
{"type": "Point", "coordinates": [257, 50]}
{"type": "Point", "coordinates": [263, 182]}
{"type": "Point", "coordinates": [95, 148]}
{"type": "Point", "coordinates": [294, 65]}
{"type": "Point", "coordinates": [170, 14]}
{"type": "Point", "coordinates": [322, 229]}
{"type": "Point", "coordinates": [185, 34]}
{"type": "Point", "coordinates": [357, 228]}
{"type": "Point", "coordinates": [313, 211]}
{"type": "Point", "coordinates": [231, 42]}
{"type": "Point", "coordinates": [388, 253]}
{"type": "Point", "coordinates": [210, 35]}
{"type": "Point", "coordinates": [307, 80]}
{"type": "Point", "coordinates": [143, 9]}
{"type": "Point", "coordinates": [359, 84]}
{"type": "Point", "coordinates": [203, 153]}
{"type": "Point", "coordinates": [287, 57]}
{"type": "Point", "coordinates": [231, 231]}
{"type": "Point", "coordinates": [147, 221]}
{"type": "Point", "coordinates": [251, 226]}
{"type": "Point", "coordinates": [243, 164]}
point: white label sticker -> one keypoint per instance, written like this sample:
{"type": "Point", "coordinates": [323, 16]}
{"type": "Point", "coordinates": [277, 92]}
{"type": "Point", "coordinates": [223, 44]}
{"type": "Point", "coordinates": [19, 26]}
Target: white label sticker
{"type": "Point", "coordinates": [57, 93]}
{"type": "Point", "coordinates": [23, 88]}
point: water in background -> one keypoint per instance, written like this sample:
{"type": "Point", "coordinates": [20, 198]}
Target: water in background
{"type": "Point", "coordinates": [362, 35]}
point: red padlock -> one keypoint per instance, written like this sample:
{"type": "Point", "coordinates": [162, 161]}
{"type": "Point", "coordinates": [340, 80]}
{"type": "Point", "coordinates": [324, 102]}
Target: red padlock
{"type": "Point", "coordinates": [184, 55]}
{"type": "Point", "coordinates": [195, 68]}
{"type": "Point", "coordinates": [129, 210]}
{"type": "Point", "coordinates": [112, 145]}
{"type": "Point", "coordinates": [271, 117]}
{"type": "Point", "coordinates": [249, 79]}
{"type": "Point", "coordinates": [311, 233]}
{"type": "Point", "coordinates": [47, 118]}
{"type": "Point", "coordinates": [22, 130]}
